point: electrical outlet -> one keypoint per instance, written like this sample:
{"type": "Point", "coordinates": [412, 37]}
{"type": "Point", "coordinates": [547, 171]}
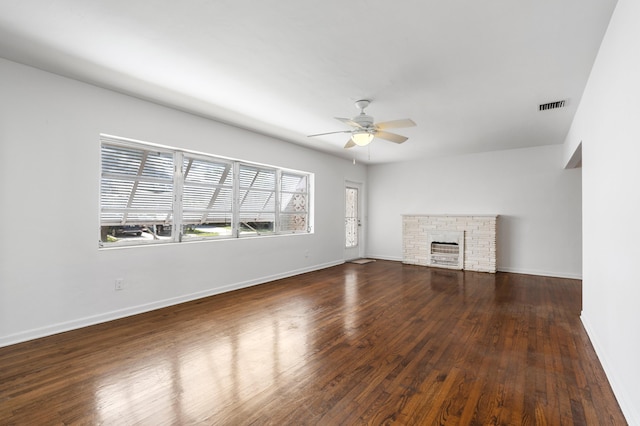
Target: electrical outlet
{"type": "Point", "coordinates": [119, 284]}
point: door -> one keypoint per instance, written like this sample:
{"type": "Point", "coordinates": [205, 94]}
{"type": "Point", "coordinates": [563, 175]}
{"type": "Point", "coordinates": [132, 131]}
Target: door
{"type": "Point", "coordinates": [352, 221]}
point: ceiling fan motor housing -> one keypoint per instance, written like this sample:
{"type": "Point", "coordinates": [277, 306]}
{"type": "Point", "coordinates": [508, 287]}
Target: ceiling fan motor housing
{"type": "Point", "coordinates": [363, 120]}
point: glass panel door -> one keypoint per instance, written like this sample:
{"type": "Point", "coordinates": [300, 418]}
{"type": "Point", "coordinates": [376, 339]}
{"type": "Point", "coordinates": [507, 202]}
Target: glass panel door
{"type": "Point", "coordinates": [352, 221]}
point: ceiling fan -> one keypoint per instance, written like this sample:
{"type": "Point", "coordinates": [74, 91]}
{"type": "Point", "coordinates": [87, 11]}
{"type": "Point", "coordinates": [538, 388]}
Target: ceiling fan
{"type": "Point", "coordinates": [364, 129]}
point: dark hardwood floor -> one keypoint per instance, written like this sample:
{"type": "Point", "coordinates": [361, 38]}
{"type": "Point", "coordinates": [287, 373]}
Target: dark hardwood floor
{"type": "Point", "coordinates": [382, 343]}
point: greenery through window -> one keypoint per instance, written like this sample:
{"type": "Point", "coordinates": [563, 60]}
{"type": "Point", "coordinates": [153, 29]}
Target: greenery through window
{"type": "Point", "coordinates": [151, 194]}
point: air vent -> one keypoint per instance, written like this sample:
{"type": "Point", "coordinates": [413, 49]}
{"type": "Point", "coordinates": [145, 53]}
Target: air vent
{"type": "Point", "coordinates": [552, 105]}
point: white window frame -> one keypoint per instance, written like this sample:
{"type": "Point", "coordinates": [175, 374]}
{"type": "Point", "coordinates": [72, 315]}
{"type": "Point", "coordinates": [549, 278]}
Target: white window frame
{"type": "Point", "coordinates": [241, 198]}
{"type": "Point", "coordinates": [218, 187]}
{"type": "Point", "coordinates": [147, 148]}
{"type": "Point", "coordinates": [177, 215]}
{"type": "Point", "coordinates": [281, 211]}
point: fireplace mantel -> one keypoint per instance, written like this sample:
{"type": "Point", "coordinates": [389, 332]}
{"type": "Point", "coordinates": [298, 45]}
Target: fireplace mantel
{"type": "Point", "coordinates": [479, 238]}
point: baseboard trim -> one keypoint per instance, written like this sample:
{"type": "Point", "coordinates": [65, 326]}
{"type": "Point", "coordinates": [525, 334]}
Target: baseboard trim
{"type": "Point", "coordinates": [630, 412]}
{"type": "Point", "coordinates": [500, 269]}
{"type": "Point", "coordinates": [540, 273]}
{"type": "Point", "coordinates": [62, 327]}
{"type": "Point", "coordinates": [382, 257]}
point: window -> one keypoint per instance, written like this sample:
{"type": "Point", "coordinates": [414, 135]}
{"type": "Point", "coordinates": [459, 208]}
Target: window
{"type": "Point", "coordinates": [294, 196]}
{"type": "Point", "coordinates": [136, 194]}
{"type": "Point", "coordinates": [257, 200]}
{"type": "Point", "coordinates": [152, 194]}
{"type": "Point", "coordinates": [207, 198]}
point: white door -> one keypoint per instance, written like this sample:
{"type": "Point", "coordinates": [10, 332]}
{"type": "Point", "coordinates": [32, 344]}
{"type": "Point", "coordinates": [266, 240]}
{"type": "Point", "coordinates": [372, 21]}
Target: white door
{"type": "Point", "coordinates": [352, 221]}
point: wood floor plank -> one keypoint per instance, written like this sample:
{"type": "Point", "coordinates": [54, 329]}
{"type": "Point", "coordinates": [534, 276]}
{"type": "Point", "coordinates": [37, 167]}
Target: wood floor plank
{"type": "Point", "coordinates": [381, 343]}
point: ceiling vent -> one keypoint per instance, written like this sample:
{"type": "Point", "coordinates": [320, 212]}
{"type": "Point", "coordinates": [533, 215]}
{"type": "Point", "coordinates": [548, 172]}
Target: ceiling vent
{"type": "Point", "coordinates": [552, 105]}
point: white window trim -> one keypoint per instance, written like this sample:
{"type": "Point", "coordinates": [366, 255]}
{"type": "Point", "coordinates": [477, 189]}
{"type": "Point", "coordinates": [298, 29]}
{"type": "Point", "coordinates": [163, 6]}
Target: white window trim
{"type": "Point", "coordinates": [178, 188]}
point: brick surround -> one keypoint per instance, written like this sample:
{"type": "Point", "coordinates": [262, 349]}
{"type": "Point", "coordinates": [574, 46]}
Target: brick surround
{"type": "Point", "coordinates": [479, 238]}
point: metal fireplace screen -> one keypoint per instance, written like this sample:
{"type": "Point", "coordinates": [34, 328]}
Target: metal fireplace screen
{"type": "Point", "coordinates": [445, 254]}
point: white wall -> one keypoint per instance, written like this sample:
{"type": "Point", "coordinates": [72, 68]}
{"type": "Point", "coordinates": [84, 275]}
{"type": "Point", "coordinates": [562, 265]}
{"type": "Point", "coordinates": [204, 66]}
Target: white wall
{"type": "Point", "coordinates": [52, 275]}
{"type": "Point", "coordinates": [608, 124]}
{"type": "Point", "coordinates": [539, 228]}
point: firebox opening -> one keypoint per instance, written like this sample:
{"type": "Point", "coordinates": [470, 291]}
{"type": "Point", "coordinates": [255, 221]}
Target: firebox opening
{"type": "Point", "coordinates": [445, 249]}
{"type": "Point", "coordinates": [445, 253]}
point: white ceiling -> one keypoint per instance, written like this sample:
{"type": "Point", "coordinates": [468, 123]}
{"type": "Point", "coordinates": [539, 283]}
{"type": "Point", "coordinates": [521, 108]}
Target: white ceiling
{"type": "Point", "coordinates": [470, 73]}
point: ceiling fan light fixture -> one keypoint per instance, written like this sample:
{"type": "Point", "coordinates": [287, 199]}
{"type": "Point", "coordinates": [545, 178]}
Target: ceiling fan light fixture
{"type": "Point", "coordinates": [364, 129]}
{"type": "Point", "coordinates": [362, 138]}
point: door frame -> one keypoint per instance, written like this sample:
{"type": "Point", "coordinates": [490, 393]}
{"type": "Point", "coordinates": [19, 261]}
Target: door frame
{"type": "Point", "coordinates": [358, 251]}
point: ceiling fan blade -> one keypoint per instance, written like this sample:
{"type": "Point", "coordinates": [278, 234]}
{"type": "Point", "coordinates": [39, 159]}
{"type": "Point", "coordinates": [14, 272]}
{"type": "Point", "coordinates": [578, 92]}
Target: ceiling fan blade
{"type": "Point", "coordinates": [392, 137]}
{"type": "Point", "coordinates": [349, 122]}
{"type": "Point", "coordinates": [395, 124]}
{"type": "Point", "coordinates": [329, 133]}
{"type": "Point", "coordinates": [350, 144]}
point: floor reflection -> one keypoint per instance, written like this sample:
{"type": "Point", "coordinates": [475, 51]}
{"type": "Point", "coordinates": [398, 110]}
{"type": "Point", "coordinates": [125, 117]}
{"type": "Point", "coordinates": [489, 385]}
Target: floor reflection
{"type": "Point", "coordinates": [209, 374]}
{"type": "Point", "coordinates": [350, 302]}
{"type": "Point", "coordinates": [447, 281]}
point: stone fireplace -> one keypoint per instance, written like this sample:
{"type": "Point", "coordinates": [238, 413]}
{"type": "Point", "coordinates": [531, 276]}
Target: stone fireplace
{"type": "Point", "coordinates": [450, 241]}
